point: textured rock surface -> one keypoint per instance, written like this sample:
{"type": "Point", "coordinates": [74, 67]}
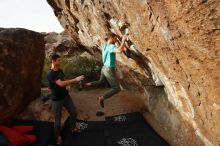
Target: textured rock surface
{"type": "Point", "coordinates": [62, 42]}
{"type": "Point", "coordinates": [176, 44]}
{"type": "Point", "coordinates": [21, 63]}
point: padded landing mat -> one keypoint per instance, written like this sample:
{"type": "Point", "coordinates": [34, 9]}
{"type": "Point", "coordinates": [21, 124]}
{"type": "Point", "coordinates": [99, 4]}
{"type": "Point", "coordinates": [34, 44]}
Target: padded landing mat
{"type": "Point", "coordinates": [42, 129]}
{"type": "Point", "coordinates": [92, 134]}
{"type": "Point", "coordinates": [120, 130]}
{"type": "Point", "coordinates": [124, 118]}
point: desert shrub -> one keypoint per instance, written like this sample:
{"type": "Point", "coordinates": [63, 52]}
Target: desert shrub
{"type": "Point", "coordinates": [73, 67]}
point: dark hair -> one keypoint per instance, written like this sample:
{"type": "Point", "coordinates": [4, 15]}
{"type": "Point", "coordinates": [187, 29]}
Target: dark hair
{"type": "Point", "coordinates": [54, 56]}
{"type": "Point", "coordinates": [111, 34]}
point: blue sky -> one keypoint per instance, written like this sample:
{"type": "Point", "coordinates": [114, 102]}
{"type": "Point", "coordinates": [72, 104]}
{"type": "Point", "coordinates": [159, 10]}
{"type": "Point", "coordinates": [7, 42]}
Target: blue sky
{"type": "Point", "coordinates": [35, 15]}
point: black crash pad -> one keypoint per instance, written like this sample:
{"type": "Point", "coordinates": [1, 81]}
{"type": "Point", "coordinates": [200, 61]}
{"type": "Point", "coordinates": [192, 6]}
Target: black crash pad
{"type": "Point", "coordinates": [134, 140]}
{"type": "Point", "coordinates": [85, 125]}
{"type": "Point", "coordinates": [84, 139]}
{"type": "Point", "coordinates": [92, 134]}
{"type": "Point", "coordinates": [124, 118]}
{"type": "Point", "coordinates": [132, 130]}
{"type": "Point", "coordinates": [124, 130]}
{"type": "Point", "coordinates": [42, 130]}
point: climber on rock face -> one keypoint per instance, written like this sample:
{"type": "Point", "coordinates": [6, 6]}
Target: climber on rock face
{"type": "Point", "coordinates": [108, 70]}
{"type": "Point", "coordinates": [60, 96]}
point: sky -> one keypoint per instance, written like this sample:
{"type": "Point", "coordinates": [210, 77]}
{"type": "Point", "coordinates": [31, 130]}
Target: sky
{"type": "Point", "coordinates": [35, 15]}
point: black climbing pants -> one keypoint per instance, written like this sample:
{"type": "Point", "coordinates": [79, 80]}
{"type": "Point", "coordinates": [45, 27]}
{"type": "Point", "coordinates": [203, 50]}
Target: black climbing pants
{"type": "Point", "coordinates": [57, 109]}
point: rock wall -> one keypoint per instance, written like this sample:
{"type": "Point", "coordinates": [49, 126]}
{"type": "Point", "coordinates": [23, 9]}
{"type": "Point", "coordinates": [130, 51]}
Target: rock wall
{"type": "Point", "coordinates": [21, 64]}
{"type": "Point", "coordinates": [174, 59]}
{"type": "Point", "coordinates": [63, 43]}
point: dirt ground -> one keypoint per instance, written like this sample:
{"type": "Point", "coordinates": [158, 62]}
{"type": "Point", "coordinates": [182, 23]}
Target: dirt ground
{"type": "Point", "coordinates": [87, 105]}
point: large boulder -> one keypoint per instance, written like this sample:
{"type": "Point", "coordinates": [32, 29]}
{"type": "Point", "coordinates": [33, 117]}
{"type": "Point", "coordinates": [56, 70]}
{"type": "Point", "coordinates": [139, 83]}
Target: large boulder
{"type": "Point", "coordinates": [62, 43]}
{"type": "Point", "coordinates": [21, 64]}
{"type": "Point", "coordinates": [174, 59]}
